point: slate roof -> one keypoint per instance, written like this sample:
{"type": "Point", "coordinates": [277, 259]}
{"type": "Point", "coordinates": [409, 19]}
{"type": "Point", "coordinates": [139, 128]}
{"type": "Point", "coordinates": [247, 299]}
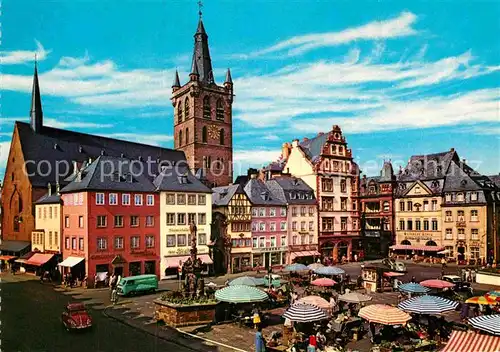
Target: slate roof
{"type": "Point", "coordinates": [179, 179]}
{"type": "Point", "coordinates": [221, 196]}
{"type": "Point", "coordinates": [387, 172]}
{"type": "Point", "coordinates": [314, 146]}
{"type": "Point", "coordinates": [464, 178]}
{"type": "Point", "coordinates": [201, 56]}
{"type": "Point", "coordinates": [56, 145]}
{"type": "Point", "coordinates": [427, 167]}
{"type": "Point", "coordinates": [49, 199]}
{"type": "Point", "coordinates": [259, 194]}
{"type": "Point", "coordinates": [495, 179]}
{"type": "Point", "coordinates": [285, 188]}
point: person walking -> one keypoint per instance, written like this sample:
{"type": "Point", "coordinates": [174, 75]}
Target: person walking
{"type": "Point", "coordinates": [112, 283]}
{"type": "Point", "coordinates": [260, 343]}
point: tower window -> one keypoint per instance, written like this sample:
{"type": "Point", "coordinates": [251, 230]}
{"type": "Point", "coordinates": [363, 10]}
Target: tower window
{"type": "Point", "coordinates": [221, 137]}
{"type": "Point", "coordinates": [186, 108]}
{"type": "Point", "coordinates": [204, 133]}
{"type": "Point", "coordinates": [206, 108]}
{"type": "Point", "coordinates": [220, 110]}
{"type": "Point", "coordinates": [179, 113]}
{"type": "Point", "coordinates": [180, 138]}
{"type": "Point", "coordinates": [187, 135]}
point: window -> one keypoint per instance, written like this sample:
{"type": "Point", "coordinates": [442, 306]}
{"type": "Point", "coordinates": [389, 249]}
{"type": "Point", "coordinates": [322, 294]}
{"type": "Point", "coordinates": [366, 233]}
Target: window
{"type": "Point", "coordinates": [222, 136]}
{"type": "Point", "coordinates": [101, 221]}
{"type": "Point", "coordinates": [99, 199]}
{"type": "Point", "coordinates": [450, 250]}
{"type": "Point", "coordinates": [385, 206]}
{"type": "Point", "coordinates": [206, 108]}
{"type": "Point", "coordinates": [80, 244]}
{"type": "Point", "coordinates": [254, 242]}
{"type": "Point", "coordinates": [186, 108]}
{"type": "Point", "coordinates": [150, 221]}
{"type": "Point", "coordinates": [434, 224]}
{"type": "Point", "coordinates": [311, 211]}
{"type": "Point", "coordinates": [125, 199]}
{"type": "Point", "coordinates": [272, 226]}
{"type": "Point", "coordinates": [202, 219]}
{"type": "Point", "coordinates": [170, 218]}
{"type": "Point", "coordinates": [473, 215]}
{"type": "Point", "coordinates": [294, 225]}
{"type": "Point", "coordinates": [262, 242]}
{"type": "Point", "coordinates": [56, 239]}
{"type": "Point", "coordinates": [192, 199]}
{"type": "Point", "coordinates": [327, 185]}
{"type": "Point", "coordinates": [434, 205]}
{"type": "Point", "coordinates": [343, 224]}
{"type": "Point", "coordinates": [102, 243]}
{"type": "Point", "coordinates": [66, 243]}
{"type": "Point", "coordinates": [39, 213]}
{"type": "Point", "coordinates": [409, 225]}
{"type": "Point", "coordinates": [447, 197]}
{"type": "Point", "coordinates": [202, 199]}
{"type": "Point", "coordinates": [473, 196]}
{"type": "Point", "coordinates": [273, 241]}
{"type": "Point", "coordinates": [448, 235]}
{"type": "Point", "coordinates": [283, 241]}
{"type": "Point", "coordinates": [50, 238]}
{"type": "Point", "coordinates": [474, 252]}
{"type": "Point", "coordinates": [181, 240]}
{"type": "Point", "coordinates": [343, 186]}
{"type": "Point", "coordinates": [461, 234]}
{"type": "Point", "coordinates": [50, 212]}
{"type": "Point", "coordinates": [401, 225]}
{"type": "Point", "coordinates": [113, 199]}
{"type": "Point", "coordinates": [272, 212]}
{"type": "Point", "coordinates": [134, 220]}
{"type": "Point", "coordinates": [426, 225]}
{"type": "Point", "coordinates": [171, 199]}
{"type": "Point", "coordinates": [255, 226]}
{"type": "Point", "coordinates": [204, 134]}
{"type": "Point", "coordinates": [262, 212]}
{"type": "Point", "coordinates": [255, 212]}
{"type": "Point", "coordinates": [294, 211]}
{"type": "Point", "coordinates": [460, 215]}
{"type": "Point", "coordinates": [343, 203]}
{"type": "Point", "coordinates": [150, 200]}
{"type": "Point", "coordinates": [311, 225]}
{"type": "Point", "coordinates": [303, 239]}
{"type": "Point", "coordinates": [191, 218]}
{"type": "Point", "coordinates": [181, 199]}
{"type": "Point", "coordinates": [410, 205]}
{"type": "Point", "coordinates": [262, 226]}
{"type": "Point", "coordinates": [219, 113]}
{"type": "Point", "coordinates": [181, 219]}
{"type": "Point", "coordinates": [426, 205]}
{"type": "Point", "coordinates": [170, 240]}
{"type": "Point", "coordinates": [460, 197]}
{"type": "Point", "coordinates": [327, 224]}
{"type": "Point", "coordinates": [179, 112]}
{"type": "Point", "coordinates": [135, 242]}
{"type": "Point", "coordinates": [448, 216]}
{"type": "Point", "coordinates": [202, 239]}
{"type": "Point", "coordinates": [294, 240]}
{"type": "Point", "coordinates": [327, 203]}
{"type": "Point", "coordinates": [66, 221]}
{"type": "Point", "coordinates": [180, 138]}
{"type": "Point", "coordinates": [474, 234]}
{"type": "Point", "coordinates": [138, 199]}
{"type": "Point", "coordinates": [118, 242]}
{"type": "Point", "coordinates": [283, 226]}
{"type": "Point", "coordinates": [80, 222]}
{"type": "Point", "coordinates": [418, 225]}
{"type": "Point", "coordinates": [282, 211]}
{"type": "Point", "coordinates": [401, 206]}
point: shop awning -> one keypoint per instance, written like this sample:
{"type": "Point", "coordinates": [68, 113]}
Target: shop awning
{"type": "Point", "coordinates": [7, 257]}
{"type": "Point", "coordinates": [393, 274]}
{"type": "Point", "coordinates": [461, 341]}
{"type": "Point", "coordinates": [38, 259]}
{"type": "Point", "coordinates": [71, 261]}
{"type": "Point", "coordinates": [173, 262]}
{"type": "Point", "coordinates": [14, 246]}
{"type": "Point", "coordinates": [408, 247]}
{"type": "Point", "coordinates": [304, 254]}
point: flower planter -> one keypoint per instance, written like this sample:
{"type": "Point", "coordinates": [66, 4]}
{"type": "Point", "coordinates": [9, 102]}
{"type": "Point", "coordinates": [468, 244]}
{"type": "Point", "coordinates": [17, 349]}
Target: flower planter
{"type": "Point", "coordinates": [178, 315]}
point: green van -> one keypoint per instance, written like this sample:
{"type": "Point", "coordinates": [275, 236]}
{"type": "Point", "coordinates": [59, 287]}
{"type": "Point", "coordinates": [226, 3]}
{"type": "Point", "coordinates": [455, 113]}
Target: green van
{"type": "Point", "coordinates": [137, 284]}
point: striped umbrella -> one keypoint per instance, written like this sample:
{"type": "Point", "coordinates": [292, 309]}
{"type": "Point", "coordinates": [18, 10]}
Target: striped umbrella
{"type": "Point", "coordinates": [488, 323]}
{"type": "Point", "coordinates": [314, 266]}
{"type": "Point", "coordinates": [305, 313]}
{"type": "Point", "coordinates": [240, 294]}
{"type": "Point", "coordinates": [246, 280]}
{"type": "Point", "coordinates": [316, 301]}
{"type": "Point", "coordinates": [437, 284]}
{"type": "Point", "coordinates": [329, 270]}
{"type": "Point", "coordinates": [323, 282]}
{"type": "Point", "coordinates": [427, 305]}
{"type": "Point", "coordinates": [413, 287]}
{"type": "Point", "coordinates": [384, 314]}
{"type": "Point", "coordinates": [483, 300]}
{"type": "Point", "coordinates": [296, 267]}
{"type": "Point", "coordinates": [354, 297]}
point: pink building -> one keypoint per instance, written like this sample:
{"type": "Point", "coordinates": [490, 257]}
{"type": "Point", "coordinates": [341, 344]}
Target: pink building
{"type": "Point", "coordinates": [269, 225]}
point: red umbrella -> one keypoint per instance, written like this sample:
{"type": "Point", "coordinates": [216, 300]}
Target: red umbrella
{"type": "Point", "coordinates": [324, 282]}
{"type": "Point", "coordinates": [437, 284]}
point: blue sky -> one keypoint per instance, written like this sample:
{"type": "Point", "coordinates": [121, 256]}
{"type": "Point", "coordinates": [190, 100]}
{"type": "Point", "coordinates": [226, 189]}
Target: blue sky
{"type": "Point", "coordinates": [400, 78]}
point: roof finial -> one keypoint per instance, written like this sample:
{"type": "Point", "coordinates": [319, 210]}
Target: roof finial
{"type": "Point", "coordinates": [200, 6]}
{"type": "Point", "coordinates": [35, 60]}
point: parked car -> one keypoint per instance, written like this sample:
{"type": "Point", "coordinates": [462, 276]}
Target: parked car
{"type": "Point", "coordinates": [137, 284]}
{"type": "Point", "coordinates": [394, 265]}
{"type": "Point", "coordinates": [457, 281]}
{"type": "Point", "coordinates": [76, 317]}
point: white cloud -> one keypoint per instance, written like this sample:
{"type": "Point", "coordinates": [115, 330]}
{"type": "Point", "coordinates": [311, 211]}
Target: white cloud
{"type": "Point", "coordinates": [151, 139]}
{"type": "Point", "coordinates": [58, 123]}
{"type": "Point", "coordinates": [4, 153]}
{"type": "Point", "coordinates": [271, 137]}
{"type": "Point", "coordinates": [255, 157]}
{"type": "Point", "coordinates": [400, 26]}
{"type": "Point", "coordinates": [23, 56]}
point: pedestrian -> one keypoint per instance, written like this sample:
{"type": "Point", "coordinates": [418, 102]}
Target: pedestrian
{"type": "Point", "coordinates": [256, 317]}
{"type": "Point", "coordinates": [312, 343]}
{"type": "Point", "coordinates": [287, 331]}
{"type": "Point", "coordinates": [355, 257]}
{"type": "Point", "coordinates": [260, 343]}
{"type": "Point", "coordinates": [112, 283]}
{"type": "Point", "coordinates": [413, 279]}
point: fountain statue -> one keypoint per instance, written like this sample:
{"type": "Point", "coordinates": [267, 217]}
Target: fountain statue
{"type": "Point", "coordinates": [194, 286]}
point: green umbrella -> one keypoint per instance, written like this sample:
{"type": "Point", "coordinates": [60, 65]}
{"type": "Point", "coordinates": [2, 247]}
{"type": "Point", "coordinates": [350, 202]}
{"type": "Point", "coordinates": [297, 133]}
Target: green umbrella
{"type": "Point", "coordinates": [240, 294]}
{"type": "Point", "coordinates": [246, 280]}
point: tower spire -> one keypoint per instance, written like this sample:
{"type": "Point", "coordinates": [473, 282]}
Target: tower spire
{"type": "Point", "coordinates": [36, 113]}
{"type": "Point", "coordinates": [177, 82]}
{"type": "Point", "coordinates": [201, 53]}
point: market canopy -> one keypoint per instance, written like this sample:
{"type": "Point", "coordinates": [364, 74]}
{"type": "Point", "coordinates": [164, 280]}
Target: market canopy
{"type": "Point", "coordinates": [483, 300]}
{"type": "Point", "coordinates": [246, 280]}
{"type": "Point", "coordinates": [317, 301]}
{"type": "Point", "coordinates": [39, 259]}
{"type": "Point", "coordinates": [488, 323]}
{"type": "Point", "coordinates": [314, 266]}
{"type": "Point", "coordinates": [240, 294]}
{"type": "Point", "coordinates": [427, 305]}
{"type": "Point", "coordinates": [461, 341]}
{"type": "Point", "coordinates": [437, 284]}
{"type": "Point", "coordinates": [409, 247]}
{"type": "Point", "coordinates": [71, 261]}
{"type": "Point", "coordinates": [384, 314]}
{"type": "Point", "coordinates": [354, 297]}
{"type": "Point", "coordinates": [413, 287]}
{"type": "Point", "coordinates": [305, 313]}
{"type": "Point", "coordinates": [304, 254]}
{"type": "Point", "coordinates": [329, 270]}
{"type": "Point", "coordinates": [323, 282]}
{"type": "Point", "coordinates": [296, 267]}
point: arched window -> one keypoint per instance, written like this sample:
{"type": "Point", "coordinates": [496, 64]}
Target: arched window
{"type": "Point", "coordinates": [431, 243]}
{"type": "Point", "coordinates": [180, 138]}
{"type": "Point", "coordinates": [179, 112]}
{"type": "Point", "coordinates": [186, 108]}
{"type": "Point", "coordinates": [206, 108]}
{"type": "Point", "coordinates": [220, 110]}
{"type": "Point", "coordinates": [187, 136]}
{"type": "Point", "coordinates": [406, 243]}
{"type": "Point", "coordinates": [222, 137]}
{"type": "Point", "coordinates": [204, 137]}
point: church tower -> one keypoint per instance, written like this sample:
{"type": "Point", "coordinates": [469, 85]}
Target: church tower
{"type": "Point", "coordinates": [203, 117]}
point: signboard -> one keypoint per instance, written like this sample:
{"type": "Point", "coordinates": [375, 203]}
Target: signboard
{"type": "Point", "coordinates": [372, 233]}
{"type": "Point", "coordinates": [178, 229]}
{"type": "Point", "coordinates": [269, 249]}
{"type": "Point", "coordinates": [185, 251]}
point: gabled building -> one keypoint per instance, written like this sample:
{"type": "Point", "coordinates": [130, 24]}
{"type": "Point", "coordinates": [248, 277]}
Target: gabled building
{"type": "Point", "coordinates": [47, 237]}
{"type": "Point", "coordinates": [233, 204]}
{"type": "Point", "coordinates": [326, 164]}
{"type": "Point", "coordinates": [302, 217]}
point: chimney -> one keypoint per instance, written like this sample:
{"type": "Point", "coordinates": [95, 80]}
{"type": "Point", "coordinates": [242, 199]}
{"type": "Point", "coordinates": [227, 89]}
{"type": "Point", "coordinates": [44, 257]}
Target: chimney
{"type": "Point", "coordinates": [57, 188]}
{"type": "Point", "coordinates": [49, 189]}
{"type": "Point", "coordinates": [452, 150]}
{"type": "Point", "coordinates": [285, 150]}
{"type": "Point", "coordinates": [464, 161]}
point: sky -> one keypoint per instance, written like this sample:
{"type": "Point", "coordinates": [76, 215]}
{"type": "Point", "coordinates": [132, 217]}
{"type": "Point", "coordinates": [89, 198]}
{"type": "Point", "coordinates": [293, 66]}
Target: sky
{"type": "Point", "coordinates": [399, 77]}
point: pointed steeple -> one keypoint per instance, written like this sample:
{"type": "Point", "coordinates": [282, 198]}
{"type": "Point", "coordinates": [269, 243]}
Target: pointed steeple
{"type": "Point", "coordinates": [177, 83]}
{"type": "Point", "coordinates": [195, 74]}
{"type": "Point", "coordinates": [228, 79]}
{"type": "Point", "coordinates": [36, 113]}
{"type": "Point", "coordinates": [201, 55]}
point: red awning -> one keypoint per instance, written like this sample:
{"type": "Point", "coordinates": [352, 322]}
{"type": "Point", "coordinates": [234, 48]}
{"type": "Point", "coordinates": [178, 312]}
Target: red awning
{"type": "Point", "coordinates": [304, 254]}
{"type": "Point", "coordinates": [173, 262]}
{"type": "Point", "coordinates": [407, 247]}
{"type": "Point", "coordinates": [7, 257]}
{"type": "Point", "coordinates": [393, 274]}
{"type": "Point", "coordinates": [462, 341]}
{"type": "Point", "coordinates": [38, 259]}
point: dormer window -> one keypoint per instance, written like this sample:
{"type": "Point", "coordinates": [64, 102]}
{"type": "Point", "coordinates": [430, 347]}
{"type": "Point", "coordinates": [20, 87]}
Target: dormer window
{"type": "Point", "coordinates": [265, 195]}
{"type": "Point", "coordinates": [460, 197]}
{"type": "Point", "coordinates": [435, 184]}
{"type": "Point", "coordinates": [463, 183]}
{"type": "Point", "coordinates": [439, 168]}
{"type": "Point", "coordinates": [183, 180]}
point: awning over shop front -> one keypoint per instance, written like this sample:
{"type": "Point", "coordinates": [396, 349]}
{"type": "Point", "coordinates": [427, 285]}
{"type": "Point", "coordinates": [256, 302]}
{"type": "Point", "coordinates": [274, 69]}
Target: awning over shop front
{"type": "Point", "coordinates": [7, 257]}
{"type": "Point", "coordinates": [173, 262]}
{"type": "Point", "coordinates": [71, 261]}
{"type": "Point", "coordinates": [408, 247]}
{"type": "Point", "coordinates": [38, 259]}
{"type": "Point", "coordinates": [14, 246]}
{"type": "Point", "coordinates": [461, 341]}
{"type": "Point", "coordinates": [304, 254]}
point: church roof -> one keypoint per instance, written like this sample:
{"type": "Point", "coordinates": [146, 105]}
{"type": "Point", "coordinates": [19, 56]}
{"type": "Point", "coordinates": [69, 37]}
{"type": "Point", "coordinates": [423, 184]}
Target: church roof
{"type": "Point", "coordinates": [201, 55]}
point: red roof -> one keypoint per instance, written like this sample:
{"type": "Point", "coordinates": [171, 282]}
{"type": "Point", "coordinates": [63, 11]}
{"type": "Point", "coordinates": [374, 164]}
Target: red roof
{"type": "Point", "coordinates": [461, 341]}
{"type": "Point", "coordinates": [407, 247]}
{"type": "Point", "coordinates": [39, 259]}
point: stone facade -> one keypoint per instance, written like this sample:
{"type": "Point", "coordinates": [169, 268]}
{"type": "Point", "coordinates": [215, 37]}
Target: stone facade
{"type": "Point", "coordinates": [184, 315]}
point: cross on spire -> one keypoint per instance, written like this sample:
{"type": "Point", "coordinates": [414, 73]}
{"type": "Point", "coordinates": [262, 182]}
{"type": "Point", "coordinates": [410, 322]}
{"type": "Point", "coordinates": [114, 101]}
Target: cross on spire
{"type": "Point", "coordinates": [200, 6]}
